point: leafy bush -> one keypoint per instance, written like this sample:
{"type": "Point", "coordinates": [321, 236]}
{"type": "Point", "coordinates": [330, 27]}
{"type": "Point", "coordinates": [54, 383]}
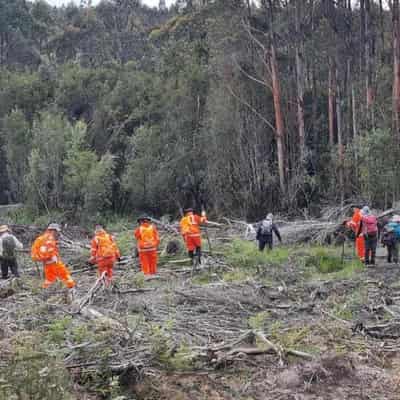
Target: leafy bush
{"type": "Point", "coordinates": [32, 373]}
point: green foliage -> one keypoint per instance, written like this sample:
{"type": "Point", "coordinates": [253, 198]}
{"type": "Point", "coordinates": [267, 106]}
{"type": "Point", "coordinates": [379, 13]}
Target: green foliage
{"type": "Point", "coordinates": [126, 242]}
{"type": "Point", "coordinates": [379, 157]}
{"type": "Point", "coordinates": [258, 320]}
{"type": "Point", "coordinates": [138, 280]}
{"type": "Point", "coordinates": [116, 108]}
{"type": "Point", "coordinates": [175, 358]}
{"type": "Point", "coordinates": [57, 329]}
{"type": "Point", "coordinates": [32, 373]}
{"type": "Point", "coordinates": [321, 261]}
{"type": "Point", "coordinates": [245, 254]}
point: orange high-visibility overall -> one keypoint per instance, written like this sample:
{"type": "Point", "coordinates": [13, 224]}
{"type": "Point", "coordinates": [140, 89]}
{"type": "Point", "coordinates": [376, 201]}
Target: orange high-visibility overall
{"type": "Point", "coordinates": [148, 240]}
{"type": "Point", "coordinates": [45, 249]}
{"type": "Point", "coordinates": [104, 252]}
{"type": "Point", "coordinates": [354, 225]}
{"type": "Point", "coordinates": [190, 230]}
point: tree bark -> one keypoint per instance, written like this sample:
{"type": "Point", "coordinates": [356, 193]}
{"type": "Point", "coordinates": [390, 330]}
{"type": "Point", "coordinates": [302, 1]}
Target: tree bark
{"type": "Point", "coordinates": [331, 103]}
{"type": "Point", "coordinates": [396, 71]}
{"type": "Point", "coordinates": [368, 64]}
{"type": "Point", "coordinates": [339, 135]}
{"type": "Point", "coordinates": [279, 125]}
{"type": "Point", "coordinates": [300, 81]}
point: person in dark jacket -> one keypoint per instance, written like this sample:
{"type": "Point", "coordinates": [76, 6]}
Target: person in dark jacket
{"type": "Point", "coordinates": [390, 239]}
{"type": "Point", "coordinates": [265, 232]}
{"type": "Point", "coordinates": [8, 257]}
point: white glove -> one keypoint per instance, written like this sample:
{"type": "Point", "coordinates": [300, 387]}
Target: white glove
{"type": "Point", "coordinates": [54, 259]}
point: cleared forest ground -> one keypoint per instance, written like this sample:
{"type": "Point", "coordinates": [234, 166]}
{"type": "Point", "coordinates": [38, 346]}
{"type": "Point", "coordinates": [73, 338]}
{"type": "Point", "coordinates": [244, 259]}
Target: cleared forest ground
{"type": "Point", "coordinates": [297, 323]}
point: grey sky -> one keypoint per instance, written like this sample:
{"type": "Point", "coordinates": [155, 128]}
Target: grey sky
{"type": "Point", "coordinates": [150, 3]}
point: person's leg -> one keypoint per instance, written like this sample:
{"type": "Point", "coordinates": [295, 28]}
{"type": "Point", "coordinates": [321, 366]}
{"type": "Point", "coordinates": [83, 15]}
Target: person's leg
{"type": "Point", "coordinates": [270, 242]}
{"type": "Point", "coordinates": [191, 247]}
{"type": "Point", "coordinates": [64, 275]}
{"type": "Point", "coordinates": [367, 250]}
{"type": "Point", "coordinates": [13, 264]}
{"type": "Point", "coordinates": [198, 254]}
{"type": "Point", "coordinates": [389, 253]}
{"type": "Point", "coordinates": [50, 275]}
{"type": "Point", "coordinates": [373, 245]}
{"type": "Point", "coordinates": [261, 244]}
{"type": "Point", "coordinates": [360, 248]}
{"type": "Point", "coordinates": [144, 262]}
{"type": "Point", "coordinates": [153, 262]}
{"type": "Point", "coordinates": [395, 253]}
{"type": "Point", "coordinates": [4, 268]}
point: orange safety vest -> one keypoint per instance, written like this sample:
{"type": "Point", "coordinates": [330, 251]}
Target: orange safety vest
{"type": "Point", "coordinates": [44, 248]}
{"type": "Point", "coordinates": [147, 237]}
{"type": "Point", "coordinates": [190, 225]}
{"type": "Point", "coordinates": [103, 246]}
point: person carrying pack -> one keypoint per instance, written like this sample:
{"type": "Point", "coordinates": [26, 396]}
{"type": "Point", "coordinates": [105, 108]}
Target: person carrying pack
{"type": "Point", "coordinates": [264, 233]}
{"type": "Point", "coordinates": [45, 250]}
{"type": "Point", "coordinates": [104, 252]}
{"type": "Point", "coordinates": [9, 244]}
{"type": "Point", "coordinates": [390, 241]}
{"type": "Point", "coordinates": [369, 230]}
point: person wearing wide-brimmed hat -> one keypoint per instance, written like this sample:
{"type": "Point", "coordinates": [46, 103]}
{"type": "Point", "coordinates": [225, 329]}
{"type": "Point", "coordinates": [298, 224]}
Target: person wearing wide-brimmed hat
{"type": "Point", "coordinates": [148, 240]}
{"type": "Point", "coordinates": [8, 246]}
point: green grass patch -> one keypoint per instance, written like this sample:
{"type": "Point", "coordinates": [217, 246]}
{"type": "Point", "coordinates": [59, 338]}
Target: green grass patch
{"type": "Point", "coordinates": [245, 254]}
{"type": "Point", "coordinates": [327, 263]}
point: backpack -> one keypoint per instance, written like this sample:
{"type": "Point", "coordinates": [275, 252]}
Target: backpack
{"type": "Point", "coordinates": [266, 227]}
{"type": "Point", "coordinates": [389, 237]}
{"type": "Point", "coordinates": [370, 225]}
{"type": "Point", "coordinates": [105, 246]}
{"type": "Point", "coordinates": [43, 248]}
{"type": "Point", "coordinates": [396, 229]}
{"type": "Point", "coordinates": [9, 246]}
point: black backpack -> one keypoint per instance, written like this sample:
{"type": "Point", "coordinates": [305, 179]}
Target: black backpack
{"type": "Point", "coordinates": [9, 246]}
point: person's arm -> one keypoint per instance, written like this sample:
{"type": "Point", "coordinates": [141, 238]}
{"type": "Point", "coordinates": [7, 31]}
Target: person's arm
{"type": "Point", "coordinates": [93, 251]}
{"type": "Point", "coordinates": [18, 244]}
{"type": "Point", "coordinates": [277, 233]}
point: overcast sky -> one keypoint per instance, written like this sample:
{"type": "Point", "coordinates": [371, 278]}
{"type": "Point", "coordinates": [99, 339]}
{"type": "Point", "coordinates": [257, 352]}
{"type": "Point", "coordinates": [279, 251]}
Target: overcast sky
{"type": "Point", "coordinates": [150, 3]}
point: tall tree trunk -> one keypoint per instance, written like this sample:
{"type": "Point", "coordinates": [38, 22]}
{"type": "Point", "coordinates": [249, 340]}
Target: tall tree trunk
{"type": "Point", "coordinates": [362, 35]}
{"type": "Point", "coordinates": [339, 135]}
{"type": "Point", "coordinates": [368, 64]}
{"type": "Point", "coordinates": [276, 93]}
{"type": "Point", "coordinates": [331, 103]}
{"type": "Point", "coordinates": [300, 81]}
{"type": "Point", "coordinates": [396, 70]}
{"type": "Point", "coordinates": [382, 29]}
{"type": "Point", "coordinates": [279, 125]}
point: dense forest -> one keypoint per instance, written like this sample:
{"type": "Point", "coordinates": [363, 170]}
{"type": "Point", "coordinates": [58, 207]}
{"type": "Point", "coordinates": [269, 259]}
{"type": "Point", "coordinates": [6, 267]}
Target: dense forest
{"type": "Point", "coordinates": [236, 106]}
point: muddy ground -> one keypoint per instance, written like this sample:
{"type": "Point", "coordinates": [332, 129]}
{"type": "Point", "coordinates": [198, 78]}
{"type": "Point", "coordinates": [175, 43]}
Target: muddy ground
{"type": "Point", "coordinates": [262, 329]}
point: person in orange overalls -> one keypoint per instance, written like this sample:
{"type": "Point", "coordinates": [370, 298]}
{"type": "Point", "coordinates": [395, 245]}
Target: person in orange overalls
{"type": "Point", "coordinates": [354, 225]}
{"type": "Point", "coordinates": [45, 249]}
{"type": "Point", "coordinates": [148, 240]}
{"type": "Point", "coordinates": [104, 252]}
{"type": "Point", "coordinates": [190, 230]}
